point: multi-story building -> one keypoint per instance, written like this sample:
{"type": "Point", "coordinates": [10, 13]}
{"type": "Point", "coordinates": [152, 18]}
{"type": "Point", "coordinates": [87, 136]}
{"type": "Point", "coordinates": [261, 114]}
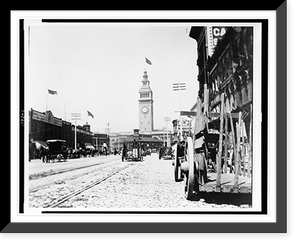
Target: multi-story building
{"type": "Point", "coordinates": [226, 66]}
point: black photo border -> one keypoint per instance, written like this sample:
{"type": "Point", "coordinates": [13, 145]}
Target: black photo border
{"type": "Point", "coordinates": [264, 109]}
{"type": "Point", "coordinates": [279, 226]}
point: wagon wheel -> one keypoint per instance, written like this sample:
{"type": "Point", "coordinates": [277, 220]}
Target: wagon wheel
{"type": "Point", "coordinates": [192, 178]}
{"type": "Point", "coordinates": [177, 171]}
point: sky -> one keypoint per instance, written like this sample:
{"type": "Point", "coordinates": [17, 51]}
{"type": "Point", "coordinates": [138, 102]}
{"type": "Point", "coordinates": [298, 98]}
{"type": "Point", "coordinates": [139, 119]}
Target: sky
{"type": "Point", "coordinates": [99, 68]}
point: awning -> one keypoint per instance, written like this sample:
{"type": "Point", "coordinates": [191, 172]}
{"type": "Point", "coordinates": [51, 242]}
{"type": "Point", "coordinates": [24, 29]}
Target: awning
{"type": "Point", "coordinates": [188, 113]}
{"type": "Point", "coordinates": [39, 144]}
{"type": "Point", "coordinates": [56, 140]}
{"type": "Point", "coordinates": [89, 146]}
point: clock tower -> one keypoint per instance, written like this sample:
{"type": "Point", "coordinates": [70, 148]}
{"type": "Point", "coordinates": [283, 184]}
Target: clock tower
{"type": "Point", "coordinates": [145, 105]}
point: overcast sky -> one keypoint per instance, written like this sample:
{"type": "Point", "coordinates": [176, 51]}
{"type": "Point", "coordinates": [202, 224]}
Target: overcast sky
{"type": "Point", "coordinates": [99, 67]}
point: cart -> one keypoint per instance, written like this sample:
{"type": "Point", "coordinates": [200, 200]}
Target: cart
{"type": "Point", "coordinates": [202, 163]}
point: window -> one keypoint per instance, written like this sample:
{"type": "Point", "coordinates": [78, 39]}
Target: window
{"type": "Point", "coordinates": [144, 95]}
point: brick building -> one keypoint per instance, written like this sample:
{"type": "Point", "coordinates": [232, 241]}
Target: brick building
{"type": "Point", "coordinates": [44, 126]}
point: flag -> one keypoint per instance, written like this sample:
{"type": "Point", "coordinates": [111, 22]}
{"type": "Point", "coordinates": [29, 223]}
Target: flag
{"type": "Point", "coordinates": [179, 86]}
{"type": "Point", "coordinates": [148, 61]}
{"type": "Point", "coordinates": [90, 114]}
{"type": "Point", "coordinates": [52, 92]}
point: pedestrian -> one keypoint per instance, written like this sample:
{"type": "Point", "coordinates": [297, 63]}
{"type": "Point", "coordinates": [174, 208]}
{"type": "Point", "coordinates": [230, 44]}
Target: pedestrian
{"type": "Point", "coordinates": [124, 152]}
{"type": "Point", "coordinates": [42, 154]}
{"type": "Point", "coordinates": [160, 152]}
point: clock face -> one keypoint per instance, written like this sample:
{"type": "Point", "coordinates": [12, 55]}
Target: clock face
{"type": "Point", "coordinates": [145, 110]}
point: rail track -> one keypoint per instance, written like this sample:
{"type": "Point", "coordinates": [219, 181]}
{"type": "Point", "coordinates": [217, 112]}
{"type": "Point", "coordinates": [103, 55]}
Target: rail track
{"type": "Point", "coordinates": [76, 192]}
{"type": "Point", "coordinates": [51, 172]}
{"type": "Point", "coordinates": [36, 185]}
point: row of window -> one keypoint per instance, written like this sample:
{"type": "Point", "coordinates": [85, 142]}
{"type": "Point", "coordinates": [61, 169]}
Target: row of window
{"type": "Point", "coordinates": [144, 95]}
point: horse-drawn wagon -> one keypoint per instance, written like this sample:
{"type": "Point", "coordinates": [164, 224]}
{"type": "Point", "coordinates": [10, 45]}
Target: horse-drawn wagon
{"type": "Point", "coordinates": [57, 150]}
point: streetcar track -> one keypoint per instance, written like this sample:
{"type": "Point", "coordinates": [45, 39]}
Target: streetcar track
{"type": "Point", "coordinates": [50, 183]}
{"type": "Point", "coordinates": [45, 174]}
{"type": "Point", "coordinates": [75, 193]}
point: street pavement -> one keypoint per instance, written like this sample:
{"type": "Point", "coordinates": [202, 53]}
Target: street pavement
{"type": "Point", "coordinates": [107, 183]}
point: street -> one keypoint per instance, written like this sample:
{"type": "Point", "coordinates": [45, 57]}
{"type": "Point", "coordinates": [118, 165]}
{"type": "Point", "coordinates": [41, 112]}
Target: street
{"type": "Point", "coordinates": [105, 182]}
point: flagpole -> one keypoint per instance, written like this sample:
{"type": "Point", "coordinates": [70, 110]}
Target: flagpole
{"type": "Point", "coordinates": [180, 114]}
{"type": "Point", "coordinates": [47, 100]}
{"type": "Point", "coordinates": [65, 109]}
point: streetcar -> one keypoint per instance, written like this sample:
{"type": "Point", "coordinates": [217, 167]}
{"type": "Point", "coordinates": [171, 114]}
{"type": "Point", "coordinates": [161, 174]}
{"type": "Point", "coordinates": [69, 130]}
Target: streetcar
{"type": "Point", "coordinates": [57, 150]}
{"type": "Point", "coordinates": [132, 151]}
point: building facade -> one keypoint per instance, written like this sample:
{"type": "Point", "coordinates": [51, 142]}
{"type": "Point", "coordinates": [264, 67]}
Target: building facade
{"type": "Point", "coordinates": [44, 126]}
{"type": "Point", "coordinates": [226, 68]}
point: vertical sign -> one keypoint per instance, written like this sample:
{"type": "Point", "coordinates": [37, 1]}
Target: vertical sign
{"type": "Point", "coordinates": [217, 33]}
{"type": "Point", "coordinates": [214, 33]}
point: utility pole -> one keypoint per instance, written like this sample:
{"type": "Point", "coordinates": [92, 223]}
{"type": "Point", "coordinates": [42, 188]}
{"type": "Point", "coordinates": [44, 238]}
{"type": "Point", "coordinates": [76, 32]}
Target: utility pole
{"type": "Point", "coordinates": [75, 117]}
{"type": "Point", "coordinates": [167, 120]}
{"type": "Point", "coordinates": [180, 87]}
{"type": "Point", "coordinates": [108, 133]}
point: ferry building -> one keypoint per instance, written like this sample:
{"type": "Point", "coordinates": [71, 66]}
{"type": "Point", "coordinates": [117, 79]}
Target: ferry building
{"type": "Point", "coordinates": [154, 138]}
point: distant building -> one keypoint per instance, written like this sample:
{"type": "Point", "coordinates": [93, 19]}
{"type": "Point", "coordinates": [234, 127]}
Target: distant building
{"type": "Point", "coordinates": [100, 140]}
{"type": "Point", "coordinates": [154, 139]}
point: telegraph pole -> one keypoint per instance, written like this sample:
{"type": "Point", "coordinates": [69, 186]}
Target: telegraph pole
{"type": "Point", "coordinates": [75, 117]}
{"type": "Point", "coordinates": [180, 87]}
{"type": "Point", "coordinates": [108, 133]}
{"type": "Point", "coordinates": [167, 120]}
